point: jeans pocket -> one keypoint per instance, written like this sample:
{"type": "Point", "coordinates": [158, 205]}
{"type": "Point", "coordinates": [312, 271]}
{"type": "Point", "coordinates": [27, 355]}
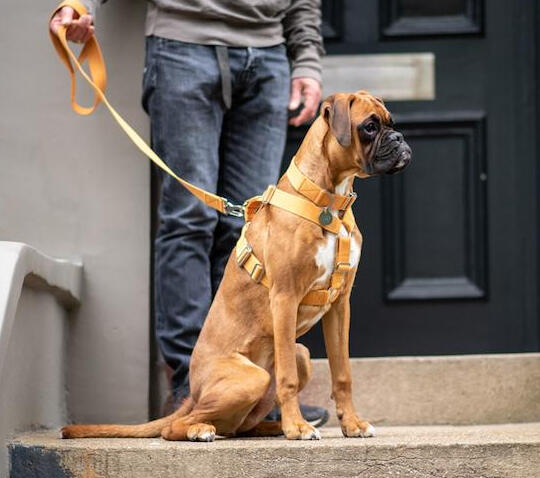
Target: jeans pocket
{"type": "Point", "coordinates": [148, 83]}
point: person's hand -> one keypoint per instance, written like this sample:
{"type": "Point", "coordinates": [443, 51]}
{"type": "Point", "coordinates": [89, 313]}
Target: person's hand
{"type": "Point", "coordinates": [80, 30]}
{"type": "Point", "coordinates": [309, 90]}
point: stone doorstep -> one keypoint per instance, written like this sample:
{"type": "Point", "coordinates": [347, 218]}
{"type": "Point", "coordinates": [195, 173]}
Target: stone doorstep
{"type": "Point", "coordinates": [437, 390]}
{"type": "Point", "coordinates": [494, 451]}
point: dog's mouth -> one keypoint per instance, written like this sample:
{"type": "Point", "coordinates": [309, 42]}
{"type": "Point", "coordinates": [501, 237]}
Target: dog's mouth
{"type": "Point", "coordinates": [402, 161]}
{"type": "Point", "coordinates": [392, 155]}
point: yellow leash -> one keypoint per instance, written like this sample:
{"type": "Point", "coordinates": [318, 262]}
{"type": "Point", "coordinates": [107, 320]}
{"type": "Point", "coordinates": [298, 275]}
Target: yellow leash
{"type": "Point", "coordinates": [91, 52]}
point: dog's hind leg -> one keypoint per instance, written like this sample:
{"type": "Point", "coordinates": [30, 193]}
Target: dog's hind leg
{"type": "Point", "coordinates": [232, 388]}
{"type": "Point", "coordinates": [253, 426]}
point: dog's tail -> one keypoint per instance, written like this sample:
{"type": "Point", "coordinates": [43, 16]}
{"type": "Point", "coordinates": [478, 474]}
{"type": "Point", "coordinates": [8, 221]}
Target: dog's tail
{"type": "Point", "coordinates": [144, 430]}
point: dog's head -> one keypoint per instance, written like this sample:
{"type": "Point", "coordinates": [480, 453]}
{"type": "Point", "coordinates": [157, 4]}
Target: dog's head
{"type": "Point", "coordinates": [363, 127]}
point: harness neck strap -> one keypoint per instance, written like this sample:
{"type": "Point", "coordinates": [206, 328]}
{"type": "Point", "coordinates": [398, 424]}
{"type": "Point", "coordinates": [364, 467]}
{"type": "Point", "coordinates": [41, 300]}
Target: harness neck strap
{"type": "Point", "coordinates": [301, 207]}
{"type": "Point", "coordinates": [321, 197]}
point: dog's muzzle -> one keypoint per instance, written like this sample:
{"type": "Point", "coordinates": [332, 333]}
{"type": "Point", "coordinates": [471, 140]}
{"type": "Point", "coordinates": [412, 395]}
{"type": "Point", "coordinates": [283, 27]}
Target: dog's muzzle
{"type": "Point", "coordinates": [393, 154]}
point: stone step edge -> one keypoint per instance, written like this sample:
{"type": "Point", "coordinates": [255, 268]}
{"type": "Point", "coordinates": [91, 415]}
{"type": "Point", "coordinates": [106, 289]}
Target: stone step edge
{"type": "Point", "coordinates": [438, 390]}
{"type": "Point", "coordinates": [484, 450]}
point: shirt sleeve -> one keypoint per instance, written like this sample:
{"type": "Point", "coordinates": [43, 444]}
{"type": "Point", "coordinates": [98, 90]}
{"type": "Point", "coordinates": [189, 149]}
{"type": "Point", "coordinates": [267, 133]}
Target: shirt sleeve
{"type": "Point", "coordinates": [302, 31]}
{"type": "Point", "coordinates": [92, 6]}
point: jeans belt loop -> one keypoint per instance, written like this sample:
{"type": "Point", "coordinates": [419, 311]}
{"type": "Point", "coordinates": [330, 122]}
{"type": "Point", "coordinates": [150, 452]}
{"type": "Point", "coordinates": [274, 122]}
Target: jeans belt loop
{"type": "Point", "coordinates": [222, 54]}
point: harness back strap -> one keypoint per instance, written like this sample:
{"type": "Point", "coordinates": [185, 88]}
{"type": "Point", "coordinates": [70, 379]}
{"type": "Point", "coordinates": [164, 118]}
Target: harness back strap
{"type": "Point", "coordinates": [97, 79]}
{"type": "Point", "coordinates": [248, 260]}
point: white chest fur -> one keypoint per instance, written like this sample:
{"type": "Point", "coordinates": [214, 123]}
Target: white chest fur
{"type": "Point", "coordinates": [325, 257]}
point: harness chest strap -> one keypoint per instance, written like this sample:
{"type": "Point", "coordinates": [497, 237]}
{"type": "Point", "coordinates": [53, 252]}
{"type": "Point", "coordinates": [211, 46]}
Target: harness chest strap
{"type": "Point", "coordinates": [253, 266]}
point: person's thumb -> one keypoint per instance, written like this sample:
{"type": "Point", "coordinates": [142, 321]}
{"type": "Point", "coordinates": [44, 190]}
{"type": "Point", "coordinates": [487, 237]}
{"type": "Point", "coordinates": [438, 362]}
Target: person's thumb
{"type": "Point", "coordinates": [296, 95]}
{"type": "Point", "coordinates": [66, 16]}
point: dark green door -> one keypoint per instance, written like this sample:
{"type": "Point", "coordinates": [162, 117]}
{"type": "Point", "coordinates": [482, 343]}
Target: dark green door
{"type": "Point", "coordinates": [449, 263]}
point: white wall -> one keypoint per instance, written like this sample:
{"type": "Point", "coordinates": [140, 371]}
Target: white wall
{"type": "Point", "coordinates": [75, 187]}
{"type": "Point", "coordinates": [32, 385]}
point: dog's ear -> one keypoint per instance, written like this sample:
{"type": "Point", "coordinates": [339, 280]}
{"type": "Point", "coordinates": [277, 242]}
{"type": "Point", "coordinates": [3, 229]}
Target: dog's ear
{"type": "Point", "coordinates": [336, 110]}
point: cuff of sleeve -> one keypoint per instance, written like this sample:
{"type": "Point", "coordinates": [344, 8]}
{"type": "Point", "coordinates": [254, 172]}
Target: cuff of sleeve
{"type": "Point", "coordinates": [306, 62]}
{"type": "Point", "coordinates": [90, 7]}
{"type": "Point", "coordinates": [307, 72]}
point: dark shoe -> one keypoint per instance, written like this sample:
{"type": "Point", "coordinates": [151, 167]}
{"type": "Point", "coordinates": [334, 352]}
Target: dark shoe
{"type": "Point", "coordinates": [315, 416]}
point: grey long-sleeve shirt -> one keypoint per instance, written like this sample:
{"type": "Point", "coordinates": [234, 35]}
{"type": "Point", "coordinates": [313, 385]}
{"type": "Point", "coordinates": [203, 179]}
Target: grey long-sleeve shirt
{"type": "Point", "coordinates": [242, 23]}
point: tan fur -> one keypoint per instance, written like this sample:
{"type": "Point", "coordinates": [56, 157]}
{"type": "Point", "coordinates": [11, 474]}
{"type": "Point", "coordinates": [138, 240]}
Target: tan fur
{"type": "Point", "coordinates": [246, 357]}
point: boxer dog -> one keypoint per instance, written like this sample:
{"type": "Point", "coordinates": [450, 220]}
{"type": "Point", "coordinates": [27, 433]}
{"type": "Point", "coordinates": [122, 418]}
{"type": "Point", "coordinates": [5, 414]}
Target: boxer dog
{"type": "Point", "coordinates": [246, 358]}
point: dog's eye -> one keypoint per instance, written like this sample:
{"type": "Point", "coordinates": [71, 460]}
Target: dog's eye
{"type": "Point", "coordinates": [371, 128]}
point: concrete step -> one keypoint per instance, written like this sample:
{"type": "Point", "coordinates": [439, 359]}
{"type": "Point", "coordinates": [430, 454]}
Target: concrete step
{"type": "Point", "coordinates": [442, 390]}
{"type": "Point", "coordinates": [493, 451]}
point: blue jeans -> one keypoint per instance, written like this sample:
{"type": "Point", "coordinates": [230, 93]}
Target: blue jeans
{"type": "Point", "coordinates": [234, 152]}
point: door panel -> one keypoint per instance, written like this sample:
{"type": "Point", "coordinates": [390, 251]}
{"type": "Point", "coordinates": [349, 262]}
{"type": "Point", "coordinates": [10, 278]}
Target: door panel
{"type": "Point", "coordinates": [434, 227]}
{"type": "Point", "coordinates": [402, 18]}
{"type": "Point", "coordinates": [449, 262]}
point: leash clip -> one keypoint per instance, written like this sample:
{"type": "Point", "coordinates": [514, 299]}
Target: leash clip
{"type": "Point", "coordinates": [231, 209]}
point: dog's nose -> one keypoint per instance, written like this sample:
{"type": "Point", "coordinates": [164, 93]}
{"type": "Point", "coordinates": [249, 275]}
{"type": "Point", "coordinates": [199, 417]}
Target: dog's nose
{"type": "Point", "coordinates": [395, 136]}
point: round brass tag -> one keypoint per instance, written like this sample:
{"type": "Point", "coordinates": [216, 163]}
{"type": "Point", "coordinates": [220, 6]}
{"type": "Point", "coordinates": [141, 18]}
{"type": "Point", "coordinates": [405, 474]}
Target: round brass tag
{"type": "Point", "coordinates": [325, 217]}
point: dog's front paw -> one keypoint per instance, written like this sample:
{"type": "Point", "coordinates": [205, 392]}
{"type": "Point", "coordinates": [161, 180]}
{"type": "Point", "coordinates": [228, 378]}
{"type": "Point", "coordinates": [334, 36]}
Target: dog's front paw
{"type": "Point", "coordinates": [354, 427]}
{"type": "Point", "coordinates": [301, 430]}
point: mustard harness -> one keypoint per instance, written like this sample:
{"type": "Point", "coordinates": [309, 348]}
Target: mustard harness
{"type": "Point", "coordinates": [314, 208]}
